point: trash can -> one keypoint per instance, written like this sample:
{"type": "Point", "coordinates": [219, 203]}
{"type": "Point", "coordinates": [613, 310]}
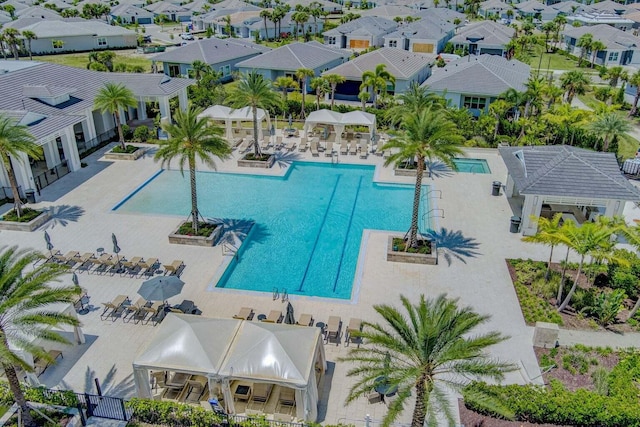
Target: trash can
{"type": "Point", "coordinates": [495, 188]}
{"type": "Point", "coordinates": [30, 195]}
{"type": "Point", "coordinates": [515, 224]}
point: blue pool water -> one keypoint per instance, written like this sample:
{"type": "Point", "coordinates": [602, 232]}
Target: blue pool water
{"type": "Point", "coordinates": [308, 224]}
{"type": "Point", "coordinates": [472, 165]}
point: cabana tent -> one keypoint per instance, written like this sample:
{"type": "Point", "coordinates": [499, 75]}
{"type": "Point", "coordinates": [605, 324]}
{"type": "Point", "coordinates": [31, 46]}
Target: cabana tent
{"type": "Point", "coordinates": [225, 350]}
{"type": "Point", "coordinates": [228, 115]}
{"type": "Point", "coordinates": [339, 121]}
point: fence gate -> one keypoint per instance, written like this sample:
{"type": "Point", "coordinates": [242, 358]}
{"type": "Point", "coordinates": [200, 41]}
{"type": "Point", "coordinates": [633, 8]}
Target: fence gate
{"type": "Point", "coordinates": [106, 407]}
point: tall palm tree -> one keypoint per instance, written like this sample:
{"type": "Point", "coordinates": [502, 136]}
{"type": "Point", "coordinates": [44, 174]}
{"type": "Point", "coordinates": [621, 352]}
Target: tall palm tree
{"type": "Point", "coordinates": [29, 36]}
{"type": "Point", "coordinates": [364, 96]}
{"type": "Point", "coordinates": [428, 134]}
{"type": "Point", "coordinates": [315, 10]}
{"type": "Point", "coordinates": [608, 126]}
{"type": "Point", "coordinates": [596, 46]}
{"type": "Point", "coordinates": [321, 86]}
{"type": "Point", "coordinates": [553, 94]}
{"type": "Point", "coordinates": [634, 80]}
{"type": "Point", "coordinates": [300, 18]}
{"type": "Point", "coordinates": [255, 92]}
{"type": "Point", "coordinates": [498, 108]}
{"type": "Point", "coordinates": [191, 138]}
{"type": "Point", "coordinates": [426, 349]}
{"type": "Point", "coordinates": [111, 98]}
{"type": "Point", "coordinates": [574, 82]}
{"type": "Point", "coordinates": [533, 95]}
{"type": "Point", "coordinates": [302, 74]}
{"type": "Point", "coordinates": [584, 43]}
{"type": "Point", "coordinates": [548, 234]}
{"type": "Point", "coordinates": [266, 15]}
{"type": "Point", "coordinates": [615, 74]}
{"type": "Point", "coordinates": [284, 84]}
{"type": "Point", "coordinates": [16, 141]}
{"type": "Point", "coordinates": [334, 80]}
{"type": "Point", "coordinates": [11, 37]}
{"type": "Point", "coordinates": [27, 315]}
{"type": "Point", "coordinates": [414, 99]}
{"type": "Point", "coordinates": [377, 80]}
{"type": "Point", "coordinates": [199, 69]}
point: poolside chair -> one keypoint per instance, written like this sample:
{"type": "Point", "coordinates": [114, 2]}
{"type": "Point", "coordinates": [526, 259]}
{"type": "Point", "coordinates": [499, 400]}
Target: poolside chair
{"type": "Point", "coordinates": [131, 266]}
{"type": "Point", "coordinates": [42, 363]}
{"type": "Point", "coordinates": [260, 394]}
{"type": "Point", "coordinates": [334, 327]}
{"type": "Point", "coordinates": [149, 266]}
{"type": "Point", "coordinates": [245, 313]}
{"type": "Point", "coordinates": [155, 312]}
{"type": "Point", "coordinates": [64, 259]}
{"type": "Point", "coordinates": [278, 142]}
{"type": "Point", "coordinates": [286, 402]}
{"type": "Point", "coordinates": [305, 320]}
{"type": "Point", "coordinates": [354, 325]}
{"type": "Point", "coordinates": [84, 261]}
{"type": "Point", "coordinates": [116, 306]}
{"type": "Point", "coordinates": [379, 150]}
{"type": "Point", "coordinates": [386, 154]}
{"type": "Point", "coordinates": [290, 145]}
{"type": "Point", "coordinates": [353, 148]}
{"type": "Point", "coordinates": [344, 149]}
{"type": "Point", "coordinates": [134, 309]}
{"type": "Point", "coordinates": [274, 316]}
{"type": "Point", "coordinates": [193, 391]}
{"type": "Point", "coordinates": [175, 268]}
{"type": "Point", "coordinates": [364, 149]}
{"type": "Point", "coordinates": [244, 145]}
{"type": "Point", "coordinates": [302, 147]}
{"type": "Point", "coordinates": [265, 144]}
{"type": "Point", "coordinates": [329, 151]}
{"type": "Point", "coordinates": [314, 149]}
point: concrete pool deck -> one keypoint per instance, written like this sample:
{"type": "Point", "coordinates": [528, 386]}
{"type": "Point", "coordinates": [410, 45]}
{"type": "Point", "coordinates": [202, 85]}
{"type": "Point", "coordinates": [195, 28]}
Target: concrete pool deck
{"type": "Point", "coordinates": [83, 221]}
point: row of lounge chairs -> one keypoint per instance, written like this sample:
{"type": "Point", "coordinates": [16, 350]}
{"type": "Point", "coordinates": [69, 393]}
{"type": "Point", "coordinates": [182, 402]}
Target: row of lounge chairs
{"type": "Point", "coordinates": [179, 386]}
{"type": "Point", "coordinates": [112, 264]}
{"type": "Point", "coordinates": [142, 310]}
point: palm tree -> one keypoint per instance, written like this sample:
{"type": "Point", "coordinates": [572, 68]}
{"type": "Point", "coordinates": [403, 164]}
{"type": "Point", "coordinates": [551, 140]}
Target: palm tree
{"type": "Point", "coordinates": [29, 36]}
{"type": "Point", "coordinates": [414, 99]}
{"type": "Point", "coordinates": [574, 82]}
{"type": "Point", "coordinates": [427, 349]}
{"type": "Point", "coordinates": [321, 86]}
{"type": "Point", "coordinates": [632, 235]}
{"type": "Point", "coordinates": [364, 96]}
{"type": "Point", "coordinates": [615, 74]}
{"type": "Point", "coordinates": [596, 46]}
{"type": "Point", "coordinates": [199, 69]}
{"type": "Point", "coordinates": [553, 94]}
{"type": "Point", "coordinates": [548, 234]}
{"type": "Point", "coordinates": [15, 142]}
{"type": "Point", "coordinates": [302, 74]}
{"type": "Point", "coordinates": [11, 39]}
{"type": "Point", "coordinates": [191, 138]}
{"type": "Point", "coordinates": [428, 134]}
{"type": "Point", "coordinates": [377, 80]}
{"type": "Point", "coordinates": [284, 84]}
{"type": "Point", "coordinates": [315, 10]}
{"type": "Point", "coordinates": [27, 315]}
{"type": "Point", "coordinates": [266, 14]}
{"type": "Point", "coordinates": [111, 98]}
{"type": "Point", "coordinates": [547, 28]}
{"type": "Point", "coordinates": [584, 43]}
{"type": "Point", "coordinates": [608, 126]}
{"type": "Point", "coordinates": [533, 95]}
{"type": "Point", "coordinates": [300, 18]}
{"type": "Point", "coordinates": [560, 22]}
{"type": "Point", "coordinates": [334, 80]}
{"type": "Point", "coordinates": [255, 92]}
{"type": "Point", "coordinates": [498, 108]}
{"type": "Point", "coordinates": [634, 80]}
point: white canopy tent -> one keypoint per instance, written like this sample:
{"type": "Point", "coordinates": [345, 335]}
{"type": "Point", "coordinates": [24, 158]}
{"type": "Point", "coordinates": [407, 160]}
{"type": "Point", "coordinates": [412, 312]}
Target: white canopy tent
{"type": "Point", "coordinates": [224, 350]}
{"type": "Point", "coordinates": [228, 115]}
{"type": "Point", "coordinates": [339, 121]}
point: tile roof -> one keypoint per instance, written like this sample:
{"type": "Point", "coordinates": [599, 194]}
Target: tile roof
{"type": "Point", "coordinates": [533, 6]}
{"type": "Point", "coordinates": [612, 37]}
{"type": "Point", "coordinates": [75, 27]}
{"type": "Point", "coordinates": [389, 11]}
{"type": "Point", "coordinates": [45, 91]}
{"type": "Point", "coordinates": [495, 5]}
{"type": "Point", "coordinates": [491, 33]}
{"type": "Point", "coordinates": [165, 7]}
{"type": "Point", "coordinates": [610, 6]}
{"type": "Point", "coordinates": [43, 125]}
{"type": "Point", "coordinates": [481, 75]}
{"type": "Point", "coordinates": [211, 51]}
{"type": "Point", "coordinates": [400, 63]}
{"type": "Point", "coordinates": [442, 14]}
{"type": "Point", "coordinates": [425, 28]}
{"type": "Point", "coordinates": [567, 7]}
{"type": "Point", "coordinates": [372, 25]}
{"type": "Point", "coordinates": [129, 9]}
{"type": "Point", "coordinates": [37, 12]}
{"type": "Point", "coordinates": [560, 170]}
{"type": "Point", "coordinates": [294, 56]}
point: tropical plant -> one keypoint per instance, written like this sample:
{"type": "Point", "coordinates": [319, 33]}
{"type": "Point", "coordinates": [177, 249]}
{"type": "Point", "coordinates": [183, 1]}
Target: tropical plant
{"type": "Point", "coordinates": [299, 18]}
{"type": "Point", "coordinates": [321, 87]}
{"type": "Point", "coordinates": [199, 69]}
{"type": "Point", "coordinates": [302, 74]}
{"type": "Point", "coordinates": [615, 74]}
{"type": "Point", "coordinates": [255, 92]}
{"type": "Point", "coordinates": [427, 135]}
{"type": "Point", "coordinates": [596, 46]}
{"type": "Point", "coordinates": [315, 10]}
{"type": "Point", "coordinates": [334, 80]}
{"type": "Point", "coordinates": [27, 314]}
{"type": "Point", "coordinates": [364, 96]}
{"type": "Point", "coordinates": [413, 100]}
{"type": "Point", "coordinates": [11, 38]}
{"type": "Point", "coordinates": [574, 82]}
{"type": "Point", "coordinates": [29, 36]}
{"type": "Point", "coordinates": [584, 43]}
{"type": "Point", "coordinates": [377, 81]}
{"type": "Point", "coordinates": [284, 83]}
{"type": "Point", "coordinates": [634, 80]}
{"type": "Point", "coordinates": [606, 306]}
{"type": "Point", "coordinates": [111, 98]}
{"type": "Point", "coordinates": [266, 15]}
{"type": "Point", "coordinates": [15, 142]}
{"type": "Point", "coordinates": [549, 233]}
{"type": "Point", "coordinates": [547, 29]}
{"type": "Point", "coordinates": [608, 126]}
{"type": "Point", "coordinates": [190, 138]}
{"type": "Point", "coordinates": [427, 349]}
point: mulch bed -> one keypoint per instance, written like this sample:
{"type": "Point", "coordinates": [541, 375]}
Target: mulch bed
{"type": "Point", "coordinates": [469, 418]}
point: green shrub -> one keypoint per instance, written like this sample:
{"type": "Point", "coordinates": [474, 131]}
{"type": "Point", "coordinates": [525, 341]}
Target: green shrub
{"type": "Point", "coordinates": [141, 134]}
{"type": "Point", "coordinates": [27, 215]}
{"type": "Point", "coordinates": [127, 132]}
{"type": "Point", "coordinates": [129, 149]}
{"type": "Point", "coordinates": [600, 379]}
{"type": "Point", "coordinates": [171, 413]}
{"type": "Point", "coordinates": [606, 306]}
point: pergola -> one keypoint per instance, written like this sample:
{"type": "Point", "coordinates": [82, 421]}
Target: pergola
{"type": "Point", "coordinates": [340, 120]}
{"type": "Point", "coordinates": [229, 115]}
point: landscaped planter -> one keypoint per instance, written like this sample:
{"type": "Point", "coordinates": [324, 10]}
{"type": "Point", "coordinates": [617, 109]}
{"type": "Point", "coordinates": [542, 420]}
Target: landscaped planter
{"type": "Point", "coordinates": [25, 226]}
{"type": "Point", "coordinates": [73, 414]}
{"type": "Point", "coordinates": [181, 239]}
{"type": "Point", "coordinates": [404, 172]}
{"type": "Point", "coordinates": [110, 155]}
{"type": "Point", "coordinates": [264, 164]}
{"type": "Point", "coordinates": [401, 256]}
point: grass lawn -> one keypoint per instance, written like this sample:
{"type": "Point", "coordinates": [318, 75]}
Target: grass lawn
{"type": "Point", "coordinates": [80, 60]}
{"type": "Point", "coordinates": [627, 146]}
{"type": "Point", "coordinates": [552, 61]}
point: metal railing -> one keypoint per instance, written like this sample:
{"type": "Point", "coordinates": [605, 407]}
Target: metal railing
{"type": "Point", "coordinates": [93, 405]}
{"type": "Point", "coordinates": [50, 176]}
{"type": "Point", "coordinates": [98, 141]}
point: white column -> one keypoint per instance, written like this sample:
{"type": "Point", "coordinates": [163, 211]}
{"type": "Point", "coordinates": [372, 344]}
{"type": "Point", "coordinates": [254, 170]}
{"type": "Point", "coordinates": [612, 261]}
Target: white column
{"type": "Point", "coordinates": [165, 111]}
{"type": "Point", "coordinates": [532, 207]}
{"type": "Point", "coordinates": [89, 127]}
{"type": "Point", "coordinates": [22, 171]}
{"type": "Point", "coordinates": [51, 155]}
{"type": "Point", "coordinates": [142, 110]}
{"type": "Point", "coordinates": [614, 208]}
{"type": "Point", "coordinates": [70, 149]}
{"type": "Point", "coordinates": [183, 101]}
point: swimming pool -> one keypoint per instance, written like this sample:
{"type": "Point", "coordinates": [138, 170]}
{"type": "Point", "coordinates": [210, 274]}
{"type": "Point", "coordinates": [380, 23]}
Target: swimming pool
{"type": "Point", "coordinates": [472, 165]}
{"type": "Point", "coordinates": [308, 224]}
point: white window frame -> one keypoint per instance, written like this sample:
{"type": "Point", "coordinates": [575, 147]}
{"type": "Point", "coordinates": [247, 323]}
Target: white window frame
{"type": "Point", "coordinates": [393, 43]}
{"type": "Point", "coordinates": [101, 41]}
{"type": "Point", "coordinates": [54, 44]}
{"type": "Point", "coordinates": [613, 56]}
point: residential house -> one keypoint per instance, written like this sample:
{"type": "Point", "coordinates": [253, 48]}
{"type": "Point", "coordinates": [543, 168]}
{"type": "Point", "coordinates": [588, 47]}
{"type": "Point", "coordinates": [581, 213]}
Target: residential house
{"type": "Point", "coordinates": [56, 103]}
{"type": "Point", "coordinates": [536, 10]}
{"type": "Point", "coordinates": [37, 12]}
{"type": "Point", "coordinates": [325, 5]}
{"type": "Point", "coordinates": [442, 14]}
{"type": "Point", "coordinates": [172, 11]}
{"type": "Point", "coordinates": [622, 48]}
{"type": "Point", "coordinates": [17, 5]}
{"type": "Point", "coordinates": [595, 18]}
{"type": "Point", "coordinates": [407, 68]}
{"type": "Point", "coordinates": [129, 14]}
{"type": "Point", "coordinates": [483, 37]}
{"type": "Point", "coordinates": [423, 36]}
{"type": "Point", "coordinates": [254, 27]}
{"type": "Point", "coordinates": [388, 11]}
{"type": "Point", "coordinates": [198, 7]}
{"type": "Point", "coordinates": [570, 7]}
{"type": "Point", "coordinates": [361, 33]}
{"type": "Point", "coordinates": [495, 8]}
{"type": "Point", "coordinates": [221, 54]}
{"type": "Point", "coordinates": [224, 8]}
{"type": "Point", "coordinates": [286, 60]}
{"type": "Point", "coordinates": [633, 16]}
{"type": "Point", "coordinates": [611, 7]}
{"type": "Point", "coordinates": [475, 82]}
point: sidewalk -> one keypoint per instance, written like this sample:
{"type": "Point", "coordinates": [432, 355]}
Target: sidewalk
{"type": "Point", "coordinates": [569, 338]}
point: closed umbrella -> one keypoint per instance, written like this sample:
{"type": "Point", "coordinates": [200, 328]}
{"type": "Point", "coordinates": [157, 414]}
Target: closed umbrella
{"type": "Point", "coordinates": [47, 239]}
{"type": "Point", "coordinates": [74, 279]}
{"type": "Point", "coordinates": [160, 288]}
{"type": "Point", "coordinates": [288, 318]}
{"type": "Point", "coordinates": [116, 250]}
{"type": "Point", "coordinates": [290, 121]}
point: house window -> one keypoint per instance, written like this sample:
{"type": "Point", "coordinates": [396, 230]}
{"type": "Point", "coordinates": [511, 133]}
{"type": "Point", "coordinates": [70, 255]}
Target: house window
{"type": "Point", "coordinates": [227, 69]}
{"type": "Point", "coordinates": [57, 44]}
{"type": "Point", "coordinates": [613, 56]}
{"type": "Point", "coordinates": [331, 40]}
{"type": "Point", "coordinates": [222, 70]}
{"type": "Point", "coordinates": [475, 103]}
{"type": "Point", "coordinates": [102, 41]}
{"type": "Point", "coordinates": [393, 43]}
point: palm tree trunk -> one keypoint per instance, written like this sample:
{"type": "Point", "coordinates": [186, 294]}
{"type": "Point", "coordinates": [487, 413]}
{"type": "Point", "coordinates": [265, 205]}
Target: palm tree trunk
{"type": "Point", "coordinates": [194, 195]}
{"type": "Point", "coordinates": [634, 309]}
{"type": "Point", "coordinates": [17, 203]}
{"type": "Point", "coordinates": [420, 410]}
{"type": "Point", "coordinates": [567, 300]}
{"type": "Point", "coordinates": [605, 144]}
{"type": "Point", "coordinates": [304, 91]}
{"type": "Point", "coordinates": [30, 53]}
{"type": "Point", "coordinates": [634, 107]}
{"type": "Point", "coordinates": [564, 271]}
{"type": "Point", "coordinates": [496, 129]}
{"type": "Point", "coordinates": [413, 231]}
{"type": "Point", "coordinates": [256, 146]}
{"type": "Point", "coordinates": [18, 395]}
{"type": "Point", "coordinates": [333, 95]}
{"type": "Point", "coordinates": [547, 274]}
{"type": "Point", "coordinates": [120, 133]}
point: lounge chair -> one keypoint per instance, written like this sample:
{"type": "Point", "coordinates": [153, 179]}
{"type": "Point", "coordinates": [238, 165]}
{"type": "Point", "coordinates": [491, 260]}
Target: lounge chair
{"type": "Point", "coordinates": [278, 142]}
{"type": "Point", "coordinates": [344, 149]}
{"type": "Point", "coordinates": [84, 261]}
{"type": "Point", "coordinates": [260, 394]}
{"type": "Point", "coordinates": [314, 149]}
{"type": "Point", "coordinates": [116, 306]}
{"type": "Point", "coordinates": [379, 149]}
{"type": "Point", "coordinates": [155, 312]}
{"type": "Point", "coordinates": [134, 309]}
{"type": "Point", "coordinates": [334, 327]}
{"type": "Point", "coordinates": [305, 320]}
{"type": "Point", "coordinates": [265, 144]}
{"type": "Point", "coordinates": [354, 325]}
{"type": "Point", "coordinates": [102, 263]}
{"type": "Point", "coordinates": [290, 145]}
{"type": "Point", "coordinates": [149, 266]}
{"type": "Point", "coordinates": [42, 363]}
{"type": "Point", "coordinates": [193, 391]}
{"type": "Point", "coordinates": [286, 402]}
{"type": "Point", "coordinates": [364, 149]}
{"type": "Point", "coordinates": [329, 151]}
{"type": "Point", "coordinates": [302, 147]}
{"type": "Point", "coordinates": [353, 148]}
{"type": "Point", "coordinates": [64, 259]}
{"type": "Point", "coordinates": [175, 268]}
{"type": "Point", "coordinates": [245, 313]}
{"type": "Point", "coordinates": [131, 266]}
{"type": "Point", "coordinates": [274, 317]}
{"type": "Point", "coordinates": [244, 145]}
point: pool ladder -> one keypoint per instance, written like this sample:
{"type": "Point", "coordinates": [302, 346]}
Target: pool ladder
{"type": "Point", "coordinates": [334, 158]}
{"type": "Point", "coordinates": [229, 249]}
{"type": "Point", "coordinates": [284, 295]}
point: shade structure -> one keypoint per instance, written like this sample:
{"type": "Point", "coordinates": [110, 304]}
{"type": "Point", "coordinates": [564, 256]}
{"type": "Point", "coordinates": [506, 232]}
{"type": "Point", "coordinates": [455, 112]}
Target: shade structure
{"type": "Point", "coordinates": [339, 120]}
{"type": "Point", "coordinates": [229, 115]}
{"type": "Point", "coordinates": [160, 288]}
{"type": "Point", "coordinates": [228, 349]}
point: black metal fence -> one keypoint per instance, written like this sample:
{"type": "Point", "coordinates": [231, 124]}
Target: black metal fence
{"type": "Point", "coordinates": [92, 405]}
{"type": "Point", "coordinates": [89, 145]}
{"type": "Point", "coordinates": [48, 177]}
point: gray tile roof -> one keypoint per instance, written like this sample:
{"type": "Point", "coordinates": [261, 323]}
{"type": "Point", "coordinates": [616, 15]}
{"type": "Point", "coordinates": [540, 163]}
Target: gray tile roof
{"type": "Point", "coordinates": [4, 17]}
{"type": "Point", "coordinates": [533, 6]}
{"type": "Point", "coordinates": [611, 6]}
{"type": "Point", "coordinates": [75, 27]}
{"type": "Point", "coordinates": [37, 12]}
{"type": "Point", "coordinates": [211, 51]}
{"type": "Point", "coordinates": [567, 7]}
{"type": "Point", "coordinates": [489, 32]}
{"type": "Point", "coordinates": [426, 28]}
{"type": "Point", "coordinates": [166, 8]}
{"type": "Point", "coordinates": [370, 25]}
{"type": "Point", "coordinates": [481, 75]}
{"type": "Point", "coordinates": [129, 9]}
{"type": "Point", "coordinates": [441, 13]}
{"type": "Point", "coordinates": [294, 56]}
{"type": "Point", "coordinates": [612, 37]}
{"type": "Point", "coordinates": [45, 91]}
{"type": "Point", "coordinates": [562, 170]}
{"type": "Point", "coordinates": [389, 11]}
{"type": "Point", "coordinates": [46, 125]}
{"type": "Point", "coordinates": [400, 63]}
{"type": "Point", "coordinates": [494, 5]}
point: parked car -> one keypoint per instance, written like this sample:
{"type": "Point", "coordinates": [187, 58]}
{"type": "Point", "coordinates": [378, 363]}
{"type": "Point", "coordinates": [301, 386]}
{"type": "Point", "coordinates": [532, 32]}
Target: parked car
{"type": "Point", "coordinates": [186, 36]}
